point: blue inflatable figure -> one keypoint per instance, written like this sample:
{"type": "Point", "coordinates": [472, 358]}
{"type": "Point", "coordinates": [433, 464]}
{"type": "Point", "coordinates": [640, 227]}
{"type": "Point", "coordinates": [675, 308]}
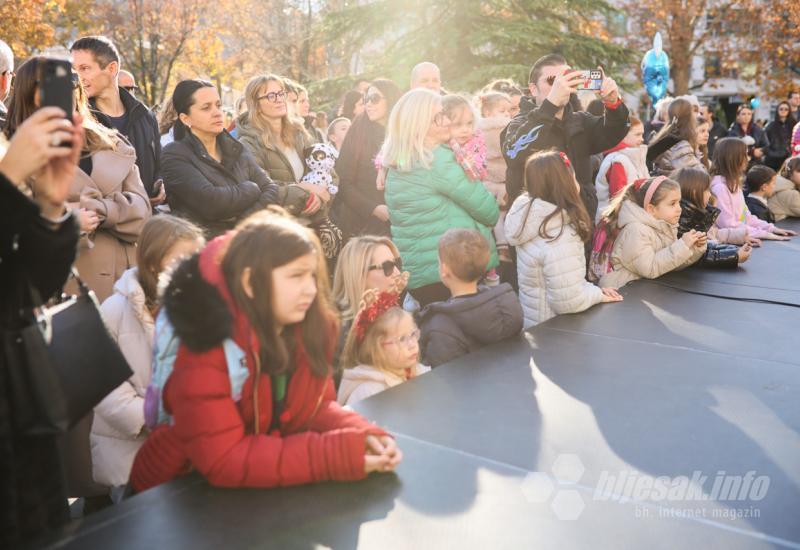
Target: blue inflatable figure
{"type": "Point", "coordinates": [655, 70]}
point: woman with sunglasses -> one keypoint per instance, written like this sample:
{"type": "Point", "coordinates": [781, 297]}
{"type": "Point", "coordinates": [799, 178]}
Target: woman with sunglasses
{"type": "Point", "coordinates": [427, 191]}
{"type": "Point", "coordinates": [277, 140]}
{"type": "Point", "coordinates": [779, 134]}
{"type": "Point", "coordinates": [359, 208]}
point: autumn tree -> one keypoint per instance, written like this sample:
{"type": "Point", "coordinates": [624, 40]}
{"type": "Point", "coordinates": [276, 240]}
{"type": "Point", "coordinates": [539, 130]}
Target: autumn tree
{"type": "Point", "coordinates": [779, 46]}
{"type": "Point", "coordinates": [722, 28]}
{"type": "Point", "coordinates": [28, 24]}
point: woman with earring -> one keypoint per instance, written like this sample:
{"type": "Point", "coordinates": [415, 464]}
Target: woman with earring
{"type": "Point", "coordinates": [210, 177]}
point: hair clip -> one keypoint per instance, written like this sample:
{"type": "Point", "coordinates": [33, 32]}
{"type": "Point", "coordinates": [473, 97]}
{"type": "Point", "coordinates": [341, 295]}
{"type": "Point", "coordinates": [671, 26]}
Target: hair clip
{"type": "Point", "coordinates": [565, 158]}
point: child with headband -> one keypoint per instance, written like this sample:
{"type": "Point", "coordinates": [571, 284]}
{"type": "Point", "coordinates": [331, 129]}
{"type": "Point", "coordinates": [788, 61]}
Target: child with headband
{"type": "Point", "coordinates": [382, 349]}
{"type": "Point", "coordinates": [646, 213]}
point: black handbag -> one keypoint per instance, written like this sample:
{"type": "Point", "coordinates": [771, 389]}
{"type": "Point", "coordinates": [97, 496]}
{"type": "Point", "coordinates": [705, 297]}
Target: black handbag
{"type": "Point", "coordinates": [62, 366]}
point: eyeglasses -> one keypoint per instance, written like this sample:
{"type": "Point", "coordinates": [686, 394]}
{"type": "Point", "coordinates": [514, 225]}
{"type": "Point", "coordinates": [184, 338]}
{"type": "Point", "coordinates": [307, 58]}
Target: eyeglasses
{"type": "Point", "coordinates": [441, 119]}
{"type": "Point", "coordinates": [406, 341]}
{"type": "Point", "coordinates": [388, 266]}
{"type": "Point", "coordinates": [372, 98]}
{"type": "Point", "coordinates": [273, 97]}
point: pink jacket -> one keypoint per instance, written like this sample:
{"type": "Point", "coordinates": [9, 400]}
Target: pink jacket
{"type": "Point", "coordinates": [734, 210]}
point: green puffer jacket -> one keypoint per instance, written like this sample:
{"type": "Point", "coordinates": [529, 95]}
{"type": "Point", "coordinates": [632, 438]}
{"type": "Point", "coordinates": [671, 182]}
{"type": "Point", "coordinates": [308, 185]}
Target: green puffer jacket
{"type": "Point", "coordinates": [423, 204]}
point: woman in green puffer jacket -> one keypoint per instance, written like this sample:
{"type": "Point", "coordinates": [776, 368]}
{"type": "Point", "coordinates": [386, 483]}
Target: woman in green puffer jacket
{"type": "Point", "coordinates": [427, 191]}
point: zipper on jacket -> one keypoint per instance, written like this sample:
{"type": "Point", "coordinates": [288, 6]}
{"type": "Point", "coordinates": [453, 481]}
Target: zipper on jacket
{"type": "Point", "coordinates": [256, 382]}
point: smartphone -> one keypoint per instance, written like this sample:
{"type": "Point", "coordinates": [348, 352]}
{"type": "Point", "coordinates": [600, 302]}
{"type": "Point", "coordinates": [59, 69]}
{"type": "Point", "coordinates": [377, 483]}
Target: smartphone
{"type": "Point", "coordinates": [592, 80]}
{"type": "Point", "coordinates": [55, 84]}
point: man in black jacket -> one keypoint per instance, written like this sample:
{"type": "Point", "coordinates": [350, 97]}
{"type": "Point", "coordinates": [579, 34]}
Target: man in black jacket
{"type": "Point", "coordinates": [96, 60]}
{"type": "Point", "coordinates": [548, 120]}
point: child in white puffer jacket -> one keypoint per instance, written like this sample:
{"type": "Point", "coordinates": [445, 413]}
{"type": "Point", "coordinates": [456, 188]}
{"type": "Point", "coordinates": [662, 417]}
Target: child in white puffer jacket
{"type": "Point", "coordinates": [549, 225]}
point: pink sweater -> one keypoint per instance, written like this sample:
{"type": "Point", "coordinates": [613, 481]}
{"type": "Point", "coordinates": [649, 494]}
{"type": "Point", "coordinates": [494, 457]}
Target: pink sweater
{"type": "Point", "coordinates": [734, 210]}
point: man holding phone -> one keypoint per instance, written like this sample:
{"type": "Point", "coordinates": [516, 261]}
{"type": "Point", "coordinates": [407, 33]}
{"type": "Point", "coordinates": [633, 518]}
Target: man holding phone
{"type": "Point", "coordinates": [548, 120]}
{"type": "Point", "coordinates": [96, 60]}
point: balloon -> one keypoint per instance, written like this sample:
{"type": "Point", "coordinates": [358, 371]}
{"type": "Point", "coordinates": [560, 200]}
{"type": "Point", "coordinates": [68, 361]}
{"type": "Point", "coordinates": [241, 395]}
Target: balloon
{"type": "Point", "coordinates": [655, 70]}
{"type": "Point", "coordinates": [755, 102]}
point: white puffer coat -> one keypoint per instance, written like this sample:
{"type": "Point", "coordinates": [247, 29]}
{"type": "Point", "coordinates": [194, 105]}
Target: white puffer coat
{"type": "Point", "coordinates": [551, 273]}
{"type": "Point", "coordinates": [646, 248]}
{"type": "Point", "coordinates": [119, 418]}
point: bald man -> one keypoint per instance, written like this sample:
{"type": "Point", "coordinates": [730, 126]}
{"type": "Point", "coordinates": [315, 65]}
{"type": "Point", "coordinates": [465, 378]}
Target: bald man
{"type": "Point", "coordinates": [426, 75]}
{"type": "Point", "coordinates": [125, 80]}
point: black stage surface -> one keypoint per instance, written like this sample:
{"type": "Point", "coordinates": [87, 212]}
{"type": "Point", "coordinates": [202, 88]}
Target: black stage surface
{"type": "Point", "coordinates": [513, 446]}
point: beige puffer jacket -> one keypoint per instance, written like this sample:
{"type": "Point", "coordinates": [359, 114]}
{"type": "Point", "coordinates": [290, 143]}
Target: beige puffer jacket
{"type": "Point", "coordinates": [646, 248]}
{"type": "Point", "coordinates": [785, 203]}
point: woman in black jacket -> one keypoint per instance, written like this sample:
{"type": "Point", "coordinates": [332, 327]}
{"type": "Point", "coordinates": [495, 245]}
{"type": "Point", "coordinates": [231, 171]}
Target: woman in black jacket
{"type": "Point", "coordinates": [745, 126]}
{"type": "Point", "coordinates": [38, 241]}
{"type": "Point", "coordinates": [779, 133]}
{"type": "Point", "coordinates": [359, 208]}
{"type": "Point", "coordinates": [209, 176]}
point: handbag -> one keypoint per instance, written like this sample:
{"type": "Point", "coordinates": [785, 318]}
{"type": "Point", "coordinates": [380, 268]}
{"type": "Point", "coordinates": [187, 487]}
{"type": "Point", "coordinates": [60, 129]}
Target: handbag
{"type": "Point", "coordinates": [63, 365]}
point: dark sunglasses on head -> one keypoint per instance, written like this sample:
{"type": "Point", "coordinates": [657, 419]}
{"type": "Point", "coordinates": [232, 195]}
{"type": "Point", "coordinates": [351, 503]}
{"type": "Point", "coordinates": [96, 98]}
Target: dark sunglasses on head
{"type": "Point", "coordinates": [273, 97]}
{"type": "Point", "coordinates": [388, 266]}
{"type": "Point", "coordinates": [372, 98]}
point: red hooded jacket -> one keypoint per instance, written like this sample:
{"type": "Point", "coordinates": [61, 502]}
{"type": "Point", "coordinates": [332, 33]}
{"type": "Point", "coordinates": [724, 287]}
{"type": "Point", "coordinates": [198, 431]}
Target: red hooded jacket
{"type": "Point", "coordinates": [316, 440]}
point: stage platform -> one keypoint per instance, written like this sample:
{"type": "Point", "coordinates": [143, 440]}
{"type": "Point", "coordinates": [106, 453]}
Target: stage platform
{"type": "Point", "coordinates": [670, 420]}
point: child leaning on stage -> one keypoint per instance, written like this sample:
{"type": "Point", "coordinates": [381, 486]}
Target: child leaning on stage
{"type": "Point", "coordinates": [549, 225]}
{"type": "Point", "coordinates": [647, 246]}
{"type": "Point", "coordinates": [697, 213]}
{"type": "Point", "coordinates": [382, 349]}
{"type": "Point", "coordinates": [474, 316]}
{"type": "Point", "coordinates": [727, 168]}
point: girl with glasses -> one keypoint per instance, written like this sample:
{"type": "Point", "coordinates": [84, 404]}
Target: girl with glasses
{"type": "Point", "coordinates": [382, 349]}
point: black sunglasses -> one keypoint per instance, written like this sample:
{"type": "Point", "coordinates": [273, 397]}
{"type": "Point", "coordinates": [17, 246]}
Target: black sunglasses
{"type": "Point", "coordinates": [388, 266]}
{"type": "Point", "coordinates": [550, 80]}
{"type": "Point", "coordinates": [372, 98]}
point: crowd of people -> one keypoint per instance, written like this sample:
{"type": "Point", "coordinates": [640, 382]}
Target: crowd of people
{"type": "Point", "coordinates": [449, 222]}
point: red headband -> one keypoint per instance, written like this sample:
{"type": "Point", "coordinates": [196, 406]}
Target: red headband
{"type": "Point", "coordinates": [369, 314]}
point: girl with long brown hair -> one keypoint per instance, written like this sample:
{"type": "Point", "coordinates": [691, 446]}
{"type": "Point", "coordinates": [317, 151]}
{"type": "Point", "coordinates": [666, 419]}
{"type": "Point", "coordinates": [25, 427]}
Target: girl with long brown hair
{"type": "Point", "coordinates": [250, 394]}
{"type": "Point", "coordinates": [549, 225]}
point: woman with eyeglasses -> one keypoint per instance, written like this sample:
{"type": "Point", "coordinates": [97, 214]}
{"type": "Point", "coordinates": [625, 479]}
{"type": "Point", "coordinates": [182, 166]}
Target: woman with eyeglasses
{"type": "Point", "coordinates": [779, 134]}
{"type": "Point", "coordinates": [277, 141]}
{"type": "Point", "coordinates": [427, 191]}
{"type": "Point", "coordinates": [211, 178]}
{"type": "Point", "coordinates": [366, 262]}
{"type": "Point", "coordinates": [360, 208]}
{"type": "Point", "coordinates": [107, 188]}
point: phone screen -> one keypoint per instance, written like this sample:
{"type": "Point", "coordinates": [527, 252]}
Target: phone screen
{"type": "Point", "coordinates": [592, 80]}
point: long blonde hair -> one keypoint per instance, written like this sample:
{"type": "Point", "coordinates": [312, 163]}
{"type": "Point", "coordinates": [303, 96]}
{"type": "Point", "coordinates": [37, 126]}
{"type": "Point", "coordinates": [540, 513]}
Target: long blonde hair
{"type": "Point", "coordinates": [290, 129]}
{"type": "Point", "coordinates": [409, 121]}
{"type": "Point", "coordinates": [352, 268]}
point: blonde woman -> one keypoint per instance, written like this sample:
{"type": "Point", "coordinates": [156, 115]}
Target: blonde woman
{"type": "Point", "coordinates": [277, 141]}
{"type": "Point", "coordinates": [427, 191]}
{"type": "Point", "coordinates": [366, 262]}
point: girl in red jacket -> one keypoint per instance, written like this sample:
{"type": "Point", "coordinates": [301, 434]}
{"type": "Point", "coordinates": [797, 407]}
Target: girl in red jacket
{"type": "Point", "coordinates": [250, 394]}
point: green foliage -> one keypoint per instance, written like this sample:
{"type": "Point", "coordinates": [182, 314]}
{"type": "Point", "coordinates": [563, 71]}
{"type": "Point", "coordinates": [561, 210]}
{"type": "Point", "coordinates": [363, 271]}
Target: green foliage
{"type": "Point", "coordinates": [474, 41]}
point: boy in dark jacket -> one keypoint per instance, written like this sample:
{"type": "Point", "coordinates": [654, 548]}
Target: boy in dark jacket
{"type": "Point", "coordinates": [549, 120]}
{"type": "Point", "coordinates": [474, 316]}
{"type": "Point", "coordinates": [760, 182]}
